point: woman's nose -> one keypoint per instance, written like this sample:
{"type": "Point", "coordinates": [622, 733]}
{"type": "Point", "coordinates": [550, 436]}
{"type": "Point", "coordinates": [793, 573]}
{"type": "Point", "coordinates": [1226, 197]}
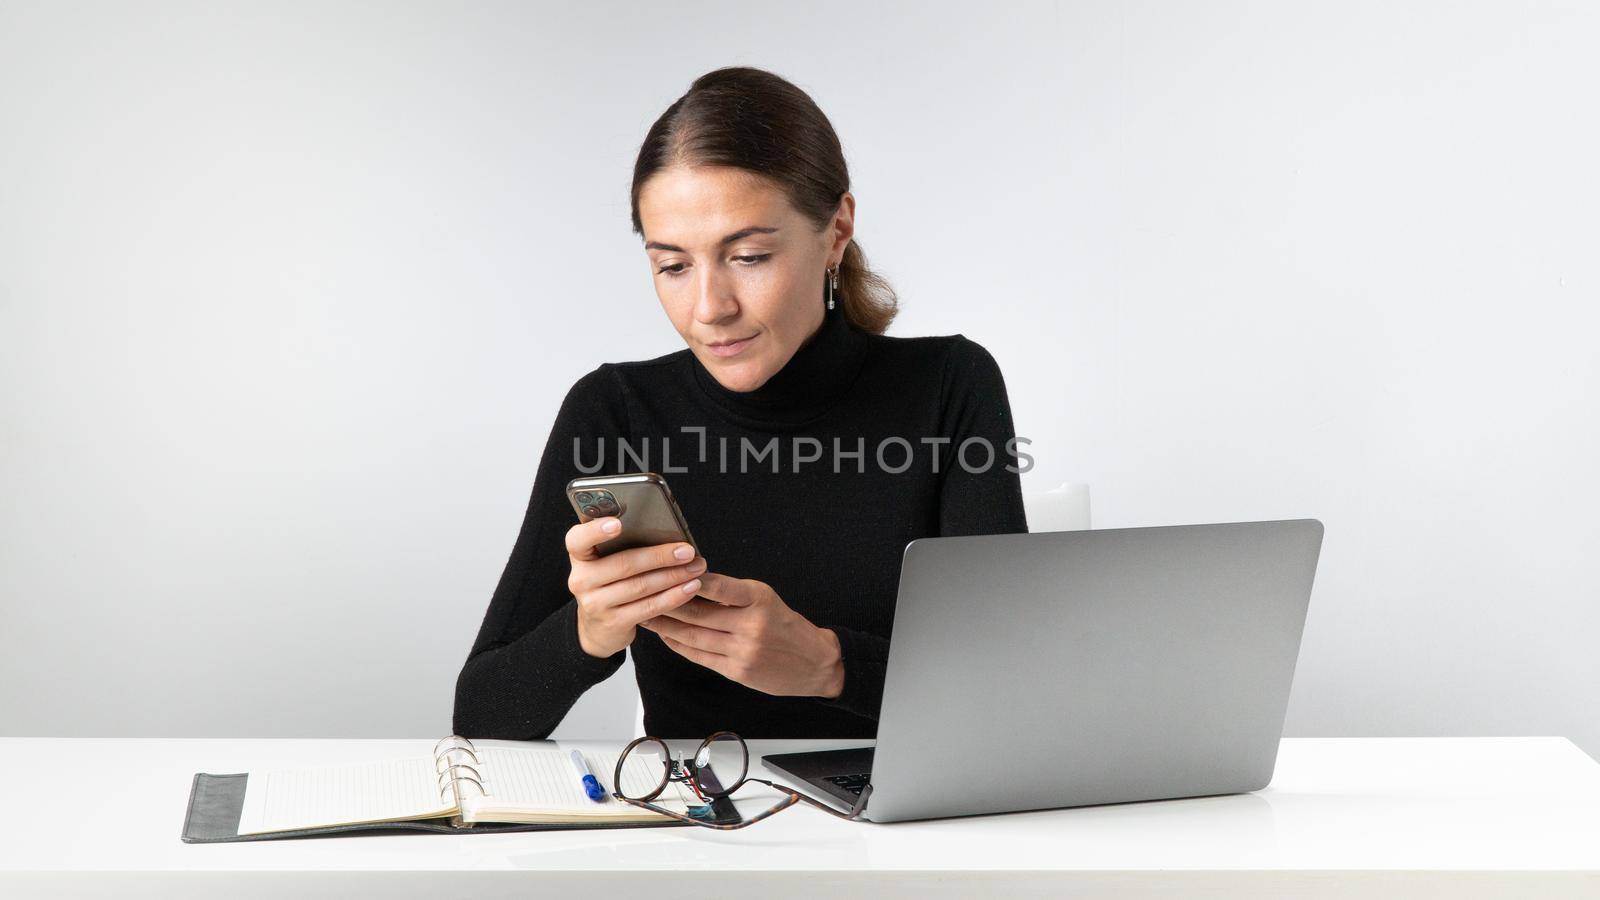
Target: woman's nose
{"type": "Point", "coordinates": [715, 303]}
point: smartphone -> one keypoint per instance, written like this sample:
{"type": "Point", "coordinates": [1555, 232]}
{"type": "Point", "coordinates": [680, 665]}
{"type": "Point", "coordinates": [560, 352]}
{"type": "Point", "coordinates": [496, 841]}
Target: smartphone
{"type": "Point", "coordinates": [641, 500]}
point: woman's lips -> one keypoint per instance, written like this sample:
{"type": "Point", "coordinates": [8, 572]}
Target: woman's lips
{"type": "Point", "coordinates": [733, 349]}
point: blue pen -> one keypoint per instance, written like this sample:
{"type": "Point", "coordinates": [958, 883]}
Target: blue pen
{"type": "Point", "coordinates": [591, 785]}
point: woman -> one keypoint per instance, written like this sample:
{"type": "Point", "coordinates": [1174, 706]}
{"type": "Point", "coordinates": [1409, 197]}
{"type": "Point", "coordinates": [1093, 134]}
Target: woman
{"type": "Point", "coordinates": [804, 447]}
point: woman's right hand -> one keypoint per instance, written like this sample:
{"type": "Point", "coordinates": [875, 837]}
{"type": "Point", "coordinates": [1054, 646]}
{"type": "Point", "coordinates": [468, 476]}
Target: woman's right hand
{"type": "Point", "coordinates": [618, 591]}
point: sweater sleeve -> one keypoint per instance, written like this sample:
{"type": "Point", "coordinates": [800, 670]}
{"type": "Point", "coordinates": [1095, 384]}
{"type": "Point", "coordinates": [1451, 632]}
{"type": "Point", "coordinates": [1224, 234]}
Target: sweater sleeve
{"type": "Point", "coordinates": [980, 496]}
{"type": "Point", "coordinates": [526, 669]}
{"type": "Point", "coordinates": [866, 657]}
{"type": "Point", "coordinates": [979, 492]}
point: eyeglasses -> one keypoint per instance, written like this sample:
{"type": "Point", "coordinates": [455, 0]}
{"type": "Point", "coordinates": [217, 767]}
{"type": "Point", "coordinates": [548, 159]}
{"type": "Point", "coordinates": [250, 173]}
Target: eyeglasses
{"type": "Point", "coordinates": [719, 767]}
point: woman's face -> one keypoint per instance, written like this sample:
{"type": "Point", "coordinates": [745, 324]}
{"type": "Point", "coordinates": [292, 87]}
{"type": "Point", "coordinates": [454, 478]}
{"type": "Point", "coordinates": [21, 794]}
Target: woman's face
{"type": "Point", "coordinates": [738, 270]}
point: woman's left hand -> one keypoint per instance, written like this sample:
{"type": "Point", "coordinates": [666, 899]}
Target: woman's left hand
{"type": "Point", "coordinates": [751, 636]}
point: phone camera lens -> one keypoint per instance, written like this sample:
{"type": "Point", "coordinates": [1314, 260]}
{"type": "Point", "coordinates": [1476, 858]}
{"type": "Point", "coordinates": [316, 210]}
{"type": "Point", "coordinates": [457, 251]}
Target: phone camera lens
{"type": "Point", "coordinates": [591, 511]}
{"type": "Point", "coordinates": [584, 497]}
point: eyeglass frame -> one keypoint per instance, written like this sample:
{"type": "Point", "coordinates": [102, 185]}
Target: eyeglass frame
{"type": "Point", "coordinates": [691, 775]}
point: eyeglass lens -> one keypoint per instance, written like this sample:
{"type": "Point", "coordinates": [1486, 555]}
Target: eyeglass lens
{"type": "Point", "coordinates": [653, 776]}
{"type": "Point", "coordinates": [721, 763]}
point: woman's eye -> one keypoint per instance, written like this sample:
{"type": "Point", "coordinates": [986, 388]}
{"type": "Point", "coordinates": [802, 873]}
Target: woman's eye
{"type": "Point", "coordinates": [677, 268]}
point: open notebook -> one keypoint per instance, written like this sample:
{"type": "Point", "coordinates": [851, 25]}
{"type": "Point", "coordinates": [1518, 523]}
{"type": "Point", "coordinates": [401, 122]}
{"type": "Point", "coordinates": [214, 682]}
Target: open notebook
{"type": "Point", "coordinates": [461, 783]}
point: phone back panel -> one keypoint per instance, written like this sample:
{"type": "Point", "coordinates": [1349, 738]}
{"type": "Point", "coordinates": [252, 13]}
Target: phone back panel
{"type": "Point", "coordinates": [649, 514]}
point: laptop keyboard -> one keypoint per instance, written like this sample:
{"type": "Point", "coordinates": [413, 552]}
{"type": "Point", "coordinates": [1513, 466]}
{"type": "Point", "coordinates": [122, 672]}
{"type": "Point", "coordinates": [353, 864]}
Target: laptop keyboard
{"type": "Point", "coordinates": [851, 783]}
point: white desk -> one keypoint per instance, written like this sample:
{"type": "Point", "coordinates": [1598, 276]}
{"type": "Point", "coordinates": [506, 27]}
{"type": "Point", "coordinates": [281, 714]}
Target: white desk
{"type": "Point", "coordinates": [1413, 817]}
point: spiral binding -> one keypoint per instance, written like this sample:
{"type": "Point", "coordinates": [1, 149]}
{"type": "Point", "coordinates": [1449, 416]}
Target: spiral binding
{"type": "Point", "coordinates": [451, 774]}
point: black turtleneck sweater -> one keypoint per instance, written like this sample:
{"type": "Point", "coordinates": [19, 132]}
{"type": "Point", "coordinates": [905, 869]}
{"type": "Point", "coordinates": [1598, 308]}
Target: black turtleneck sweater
{"type": "Point", "coordinates": [826, 530]}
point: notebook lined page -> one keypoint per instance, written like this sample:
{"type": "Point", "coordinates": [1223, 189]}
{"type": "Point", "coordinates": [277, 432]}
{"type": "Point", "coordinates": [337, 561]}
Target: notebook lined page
{"type": "Point", "coordinates": [545, 780]}
{"type": "Point", "coordinates": [390, 790]}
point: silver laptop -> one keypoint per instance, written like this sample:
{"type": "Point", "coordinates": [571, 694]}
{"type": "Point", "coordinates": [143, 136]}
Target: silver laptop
{"type": "Point", "coordinates": [1033, 671]}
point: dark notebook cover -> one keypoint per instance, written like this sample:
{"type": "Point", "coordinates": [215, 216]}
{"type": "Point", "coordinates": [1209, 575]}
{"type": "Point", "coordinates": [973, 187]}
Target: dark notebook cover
{"type": "Point", "coordinates": [216, 802]}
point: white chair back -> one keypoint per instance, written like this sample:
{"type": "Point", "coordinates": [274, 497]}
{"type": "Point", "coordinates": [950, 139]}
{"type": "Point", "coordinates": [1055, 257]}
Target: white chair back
{"type": "Point", "coordinates": [1062, 508]}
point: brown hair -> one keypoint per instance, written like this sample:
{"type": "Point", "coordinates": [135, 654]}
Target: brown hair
{"type": "Point", "coordinates": [754, 120]}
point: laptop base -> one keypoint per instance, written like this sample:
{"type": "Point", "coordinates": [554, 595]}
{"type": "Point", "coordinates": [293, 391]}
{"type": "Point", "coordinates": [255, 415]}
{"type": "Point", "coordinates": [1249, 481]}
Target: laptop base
{"type": "Point", "coordinates": [841, 774]}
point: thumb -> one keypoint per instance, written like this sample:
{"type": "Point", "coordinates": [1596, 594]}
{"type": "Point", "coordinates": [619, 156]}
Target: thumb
{"type": "Point", "coordinates": [727, 590]}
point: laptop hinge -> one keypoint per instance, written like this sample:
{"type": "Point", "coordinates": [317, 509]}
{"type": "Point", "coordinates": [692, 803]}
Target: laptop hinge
{"type": "Point", "coordinates": [861, 801]}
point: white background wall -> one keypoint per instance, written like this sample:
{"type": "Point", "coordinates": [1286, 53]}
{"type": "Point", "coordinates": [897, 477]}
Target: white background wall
{"type": "Point", "coordinates": [290, 292]}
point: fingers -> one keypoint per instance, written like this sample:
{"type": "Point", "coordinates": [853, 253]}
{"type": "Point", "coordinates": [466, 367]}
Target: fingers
{"type": "Point", "coordinates": [591, 574]}
{"type": "Point", "coordinates": [644, 584]}
{"type": "Point", "coordinates": [729, 591]}
{"type": "Point", "coordinates": [657, 604]}
{"type": "Point", "coordinates": [707, 614]}
{"type": "Point", "coordinates": [716, 662]}
{"type": "Point", "coordinates": [607, 619]}
{"type": "Point", "coordinates": [582, 537]}
{"type": "Point", "coordinates": [705, 639]}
